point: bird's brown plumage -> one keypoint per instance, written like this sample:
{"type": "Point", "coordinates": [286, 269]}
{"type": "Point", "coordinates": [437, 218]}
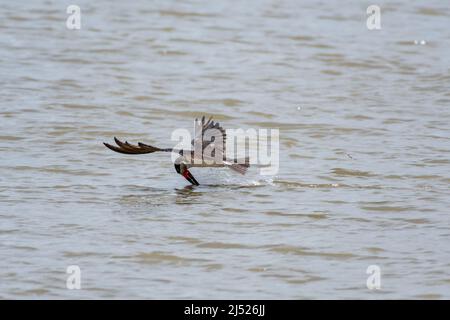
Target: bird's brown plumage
{"type": "Point", "coordinates": [128, 148]}
{"type": "Point", "coordinates": [214, 140]}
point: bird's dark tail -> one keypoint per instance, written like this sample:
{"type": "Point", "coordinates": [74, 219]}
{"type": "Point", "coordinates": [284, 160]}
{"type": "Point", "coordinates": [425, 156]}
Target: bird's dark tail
{"type": "Point", "coordinates": [239, 165]}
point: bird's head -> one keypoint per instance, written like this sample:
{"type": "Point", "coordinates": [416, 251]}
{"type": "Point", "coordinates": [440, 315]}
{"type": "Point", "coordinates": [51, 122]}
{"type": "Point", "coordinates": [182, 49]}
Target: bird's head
{"type": "Point", "coordinates": [183, 170]}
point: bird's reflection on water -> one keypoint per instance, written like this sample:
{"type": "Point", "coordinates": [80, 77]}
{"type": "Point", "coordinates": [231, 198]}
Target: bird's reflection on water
{"type": "Point", "coordinates": [187, 194]}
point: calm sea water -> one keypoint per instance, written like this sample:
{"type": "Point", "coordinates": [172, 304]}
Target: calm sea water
{"type": "Point", "coordinates": [364, 149]}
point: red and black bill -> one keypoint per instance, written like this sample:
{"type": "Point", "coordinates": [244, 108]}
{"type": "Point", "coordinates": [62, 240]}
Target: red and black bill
{"type": "Point", "coordinates": [189, 177]}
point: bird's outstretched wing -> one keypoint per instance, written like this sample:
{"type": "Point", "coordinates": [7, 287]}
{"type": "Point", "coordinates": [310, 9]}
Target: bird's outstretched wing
{"type": "Point", "coordinates": [127, 148]}
{"type": "Point", "coordinates": [202, 138]}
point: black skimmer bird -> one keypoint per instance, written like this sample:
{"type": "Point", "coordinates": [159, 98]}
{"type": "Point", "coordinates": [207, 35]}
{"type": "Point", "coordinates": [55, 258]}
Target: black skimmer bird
{"type": "Point", "coordinates": [191, 158]}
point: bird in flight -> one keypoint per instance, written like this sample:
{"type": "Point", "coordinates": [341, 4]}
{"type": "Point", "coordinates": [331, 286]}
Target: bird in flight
{"type": "Point", "coordinates": [205, 153]}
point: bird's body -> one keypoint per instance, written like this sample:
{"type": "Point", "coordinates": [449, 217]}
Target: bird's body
{"type": "Point", "coordinates": [206, 153]}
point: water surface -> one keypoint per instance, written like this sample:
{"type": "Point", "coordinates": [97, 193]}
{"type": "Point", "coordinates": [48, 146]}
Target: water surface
{"type": "Point", "coordinates": [364, 150]}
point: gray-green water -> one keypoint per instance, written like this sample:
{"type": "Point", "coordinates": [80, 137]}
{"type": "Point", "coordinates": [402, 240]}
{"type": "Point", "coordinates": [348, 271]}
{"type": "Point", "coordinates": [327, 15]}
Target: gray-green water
{"type": "Point", "coordinates": [364, 149]}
